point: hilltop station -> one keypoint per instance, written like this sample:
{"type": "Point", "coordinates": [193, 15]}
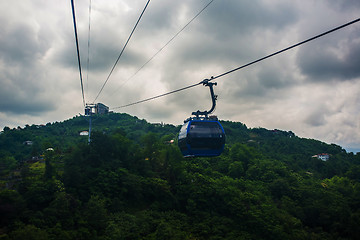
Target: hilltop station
{"type": "Point", "coordinates": [98, 108]}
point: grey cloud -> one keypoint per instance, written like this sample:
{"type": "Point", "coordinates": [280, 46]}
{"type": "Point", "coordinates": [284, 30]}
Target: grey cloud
{"type": "Point", "coordinates": [226, 35]}
{"type": "Point", "coordinates": [273, 77]}
{"type": "Point", "coordinates": [20, 44]}
{"type": "Point", "coordinates": [24, 104]}
{"type": "Point", "coordinates": [345, 5]}
{"type": "Point", "coordinates": [160, 15]}
{"type": "Point", "coordinates": [244, 16]}
{"type": "Point", "coordinates": [24, 91]}
{"type": "Point", "coordinates": [204, 51]}
{"type": "Point", "coordinates": [107, 39]}
{"type": "Point", "coordinates": [22, 88]}
{"type": "Point", "coordinates": [265, 84]}
{"type": "Point", "coordinates": [16, 99]}
{"type": "Point", "coordinates": [328, 60]}
{"type": "Point", "coordinates": [316, 119]}
{"type": "Point", "coordinates": [102, 55]}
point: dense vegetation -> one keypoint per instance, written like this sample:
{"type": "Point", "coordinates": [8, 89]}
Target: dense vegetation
{"type": "Point", "coordinates": [131, 182]}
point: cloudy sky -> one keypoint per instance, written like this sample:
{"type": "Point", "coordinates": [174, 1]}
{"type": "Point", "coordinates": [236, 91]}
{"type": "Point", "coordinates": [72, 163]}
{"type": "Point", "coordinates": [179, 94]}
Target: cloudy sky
{"type": "Point", "coordinates": [312, 90]}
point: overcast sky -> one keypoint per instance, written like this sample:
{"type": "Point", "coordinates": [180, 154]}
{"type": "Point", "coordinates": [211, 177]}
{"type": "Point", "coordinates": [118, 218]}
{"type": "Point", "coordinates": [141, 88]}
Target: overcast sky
{"type": "Point", "coordinates": [312, 90]}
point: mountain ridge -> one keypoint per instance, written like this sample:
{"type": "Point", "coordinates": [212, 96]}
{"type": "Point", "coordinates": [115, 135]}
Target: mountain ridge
{"type": "Point", "coordinates": [131, 182]}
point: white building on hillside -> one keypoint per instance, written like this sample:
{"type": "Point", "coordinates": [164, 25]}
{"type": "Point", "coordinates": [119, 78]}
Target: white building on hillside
{"type": "Point", "coordinates": [322, 156]}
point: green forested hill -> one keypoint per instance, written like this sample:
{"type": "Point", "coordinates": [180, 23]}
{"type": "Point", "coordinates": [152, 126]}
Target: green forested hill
{"type": "Point", "coordinates": [132, 182]}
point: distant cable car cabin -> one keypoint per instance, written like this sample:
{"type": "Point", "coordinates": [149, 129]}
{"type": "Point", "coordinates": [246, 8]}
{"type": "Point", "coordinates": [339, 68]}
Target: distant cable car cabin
{"type": "Point", "coordinates": [202, 136]}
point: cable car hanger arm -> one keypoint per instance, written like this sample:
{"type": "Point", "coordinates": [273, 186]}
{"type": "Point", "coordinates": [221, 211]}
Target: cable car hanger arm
{"type": "Point", "coordinates": [207, 83]}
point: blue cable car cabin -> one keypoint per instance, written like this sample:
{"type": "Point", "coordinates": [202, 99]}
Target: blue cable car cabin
{"type": "Point", "coordinates": [201, 138]}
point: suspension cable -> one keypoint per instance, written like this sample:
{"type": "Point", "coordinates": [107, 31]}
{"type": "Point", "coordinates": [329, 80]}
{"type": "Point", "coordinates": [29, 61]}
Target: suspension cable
{"type": "Point", "coordinates": [245, 65]}
{"type": "Point", "coordinates": [158, 96]}
{"type": "Point", "coordinates": [162, 48]}
{"type": "Point", "coordinates": [117, 60]}
{"type": "Point", "coordinates": [88, 51]}
{"type": "Point", "coordinates": [288, 48]}
{"type": "Point", "coordinates": [78, 50]}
